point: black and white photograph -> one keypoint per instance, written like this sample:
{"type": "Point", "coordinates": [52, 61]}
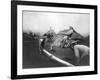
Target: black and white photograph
{"type": "Point", "coordinates": [53, 39]}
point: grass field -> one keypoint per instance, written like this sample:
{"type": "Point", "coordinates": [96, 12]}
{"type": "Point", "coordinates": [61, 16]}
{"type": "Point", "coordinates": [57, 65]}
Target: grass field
{"type": "Point", "coordinates": [33, 59]}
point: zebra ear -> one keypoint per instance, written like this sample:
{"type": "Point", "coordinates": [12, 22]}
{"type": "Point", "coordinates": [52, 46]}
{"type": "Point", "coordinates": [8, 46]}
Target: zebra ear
{"type": "Point", "coordinates": [73, 29]}
{"type": "Point", "coordinates": [70, 27]}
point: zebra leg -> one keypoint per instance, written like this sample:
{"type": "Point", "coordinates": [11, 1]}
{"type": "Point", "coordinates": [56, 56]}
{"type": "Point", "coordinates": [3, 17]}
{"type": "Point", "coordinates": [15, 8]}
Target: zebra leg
{"type": "Point", "coordinates": [52, 49]}
{"type": "Point", "coordinates": [40, 47]}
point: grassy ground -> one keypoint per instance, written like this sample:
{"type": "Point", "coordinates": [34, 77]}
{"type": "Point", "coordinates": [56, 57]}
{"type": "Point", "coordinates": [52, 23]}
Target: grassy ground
{"type": "Point", "coordinates": [33, 59]}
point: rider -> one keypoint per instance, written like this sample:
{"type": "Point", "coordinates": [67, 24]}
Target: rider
{"type": "Point", "coordinates": [64, 41]}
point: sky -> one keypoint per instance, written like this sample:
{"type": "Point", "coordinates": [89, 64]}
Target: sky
{"type": "Point", "coordinates": [42, 21]}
